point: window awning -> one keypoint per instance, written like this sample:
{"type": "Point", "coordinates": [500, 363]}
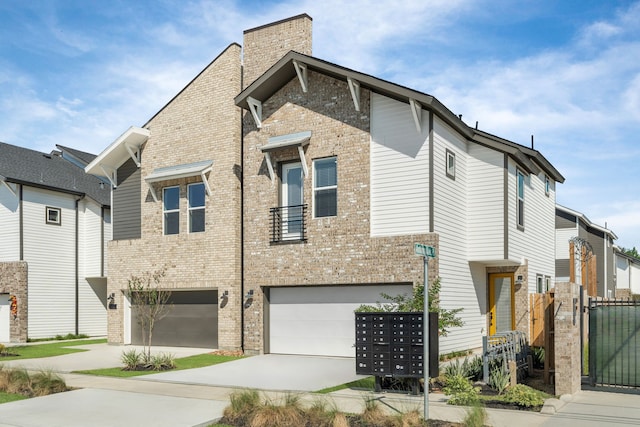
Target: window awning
{"type": "Point", "coordinates": [299, 140]}
{"type": "Point", "coordinates": [180, 171]}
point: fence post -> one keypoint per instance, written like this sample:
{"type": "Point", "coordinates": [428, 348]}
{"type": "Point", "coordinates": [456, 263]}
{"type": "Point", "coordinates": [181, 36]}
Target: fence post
{"type": "Point", "coordinates": [485, 360]}
{"type": "Point", "coordinates": [567, 338]}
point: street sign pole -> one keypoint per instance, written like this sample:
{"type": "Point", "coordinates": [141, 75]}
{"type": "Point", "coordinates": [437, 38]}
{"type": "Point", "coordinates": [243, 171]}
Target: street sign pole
{"type": "Point", "coordinates": [425, 252]}
{"type": "Point", "coordinates": [425, 337]}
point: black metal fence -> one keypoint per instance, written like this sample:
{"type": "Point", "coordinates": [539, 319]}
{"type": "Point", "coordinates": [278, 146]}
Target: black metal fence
{"type": "Point", "coordinates": [288, 223]}
{"type": "Point", "coordinates": [614, 343]}
{"type": "Point", "coordinates": [501, 348]}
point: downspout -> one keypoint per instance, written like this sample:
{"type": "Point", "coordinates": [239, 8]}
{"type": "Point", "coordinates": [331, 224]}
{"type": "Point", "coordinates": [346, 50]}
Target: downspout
{"type": "Point", "coordinates": [21, 221]}
{"type": "Point", "coordinates": [77, 266]}
{"type": "Point", "coordinates": [102, 241]}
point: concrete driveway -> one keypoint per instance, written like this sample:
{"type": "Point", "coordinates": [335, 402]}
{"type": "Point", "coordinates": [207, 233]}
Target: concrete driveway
{"type": "Point", "coordinates": [269, 372]}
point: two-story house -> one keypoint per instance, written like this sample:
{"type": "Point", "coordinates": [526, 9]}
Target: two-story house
{"type": "Point", "coordinates": [283, 191]}
{"type": "Point", "coordinates": [580, 241]}
{"type": "Point", "coordinates": [54, 225]}
{"type": "Point", "coordinates": [344, 172]}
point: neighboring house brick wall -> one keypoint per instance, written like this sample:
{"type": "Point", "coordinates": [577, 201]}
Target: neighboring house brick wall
{"type": "Point", "coordinates": [13, 281]}
{"type": "Point", "coordinates": [200, 123]}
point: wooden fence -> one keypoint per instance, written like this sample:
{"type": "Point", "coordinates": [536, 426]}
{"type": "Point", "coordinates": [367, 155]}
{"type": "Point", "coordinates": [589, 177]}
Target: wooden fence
{"type": "Point", "coordinates": [541, 329]}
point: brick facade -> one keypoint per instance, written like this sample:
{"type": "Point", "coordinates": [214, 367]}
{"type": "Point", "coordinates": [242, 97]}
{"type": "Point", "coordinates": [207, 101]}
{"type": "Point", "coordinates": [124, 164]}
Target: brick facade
{"type": "Point", "coordinates": [14, 281]}
{"type": "Point", "coordinates": [339, 249]}
{"type": "Point", "coordinates": [200, 123]}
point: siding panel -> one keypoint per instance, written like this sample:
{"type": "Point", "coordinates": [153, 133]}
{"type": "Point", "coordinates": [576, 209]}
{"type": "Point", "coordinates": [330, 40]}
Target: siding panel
{"type": "Point", "coordinates": [399, 169]}
{"type": "Point", "coordinates": [126, 203]}
{"type": "Point", "coordinates": [9, 224]}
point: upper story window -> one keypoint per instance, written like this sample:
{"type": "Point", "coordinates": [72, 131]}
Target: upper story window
{"type": "Point", "coordinates": [325, 187]}
{"type": "Point", "coordinates": [520, 196]}
{"type": "Point", "coordinates": [539, 284]}
{"type": "Point", "coordinates": [450, 166]}
{"type": "Point", "coordinates": [171, 210]}
{"type": "Point", "coordinates": [547, 185]}
{"type": "Point", "coordinates": [196, 197]}
{"type": "Point", "coordinates": [53, 216]}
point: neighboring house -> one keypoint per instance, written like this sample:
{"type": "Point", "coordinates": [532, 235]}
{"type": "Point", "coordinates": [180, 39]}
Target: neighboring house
{"type": "Point", "coordinates": [314, 197]}
{"type": "Point", "coordinates": [627, 274]}
{"type": "Point", "coordinates": [598, 243]}
{"type": "Point", "coordinates": [54, 224]}
{"type": "Point", "coordinates": [177, 204]}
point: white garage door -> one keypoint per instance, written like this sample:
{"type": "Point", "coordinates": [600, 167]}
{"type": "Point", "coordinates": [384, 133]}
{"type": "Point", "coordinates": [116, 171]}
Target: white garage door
{"type": "Point", "coordinates": [320, 320]}
{"type": "Point", "coordinates": [5, 309]}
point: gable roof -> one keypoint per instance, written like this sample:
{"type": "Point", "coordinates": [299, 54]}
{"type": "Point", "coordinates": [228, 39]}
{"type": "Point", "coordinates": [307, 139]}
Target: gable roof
{"type": "Point", "coordinates": [29, 167]}
{"type": "Point", "coordinates": [81, 156]}
{"type": "Point", "coordinates": [284, 70]}
{"type": "Point", "coordinates": [582, 217]}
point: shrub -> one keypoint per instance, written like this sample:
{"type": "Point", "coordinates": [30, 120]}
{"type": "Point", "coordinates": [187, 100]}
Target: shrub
{"type": "Point", "coordinates": [499, 379]}
{"type": "Point", "coordinates": [524, 396]}
{"type": "Point", "coordinates": [243, 404]}
{"type": "Point", "coordinates": [163, 362]}
{"type": "Point", "coordinates": [474, 368]}
{"type": "Point", "coordinates": [538, 356]}
{"type": "Point", "coordinates": [46, 382]}
{"type": "Point", "coordinates": [461, 390]}
{"type": "Point", "coordinates": [476, 416]}
{"type": "Point", "coordinates": [3, 349]}
{"type": "Point", "coordinates": [131, 359]}
{"type": "Point", "coordinates": [18, 381]}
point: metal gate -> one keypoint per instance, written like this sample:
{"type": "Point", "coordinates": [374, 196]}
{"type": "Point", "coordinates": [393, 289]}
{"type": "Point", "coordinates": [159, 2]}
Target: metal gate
{"type": "Point", "coordinates": [614, 343]}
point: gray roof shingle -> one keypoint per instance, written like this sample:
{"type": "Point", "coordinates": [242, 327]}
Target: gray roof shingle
{"type": "Point", "coordinates": [30, 167]}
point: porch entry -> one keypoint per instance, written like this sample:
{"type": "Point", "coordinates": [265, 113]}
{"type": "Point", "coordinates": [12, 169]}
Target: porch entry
{"type": "Point", "coordinates": [501, 303]}
{"type": "Point", "coordinates": [292, 201]}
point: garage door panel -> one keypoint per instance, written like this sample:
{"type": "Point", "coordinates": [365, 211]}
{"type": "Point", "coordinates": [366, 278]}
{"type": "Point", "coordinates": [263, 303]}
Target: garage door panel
{"type": "Point", "coordinates": [191, 321]}
{"type": "Point", "coordinates": [320, 320]}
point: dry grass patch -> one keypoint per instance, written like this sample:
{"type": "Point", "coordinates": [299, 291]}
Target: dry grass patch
{"type": "Point", "coordinates": [19, 381]}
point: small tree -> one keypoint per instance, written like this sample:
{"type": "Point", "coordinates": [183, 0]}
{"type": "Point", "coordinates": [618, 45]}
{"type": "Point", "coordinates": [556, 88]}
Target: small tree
{"type": "Point", "coordinates": [150, 302]}
{"type": "Point", "coordinates": [447, 319]}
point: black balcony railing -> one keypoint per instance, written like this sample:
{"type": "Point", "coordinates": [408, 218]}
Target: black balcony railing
{"type": "Point", "coordinates": [288, 224]}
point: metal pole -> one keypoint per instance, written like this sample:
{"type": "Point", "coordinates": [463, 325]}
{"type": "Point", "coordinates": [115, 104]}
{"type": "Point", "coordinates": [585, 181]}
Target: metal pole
{"type": "Point", "coordinates": [425, 337]}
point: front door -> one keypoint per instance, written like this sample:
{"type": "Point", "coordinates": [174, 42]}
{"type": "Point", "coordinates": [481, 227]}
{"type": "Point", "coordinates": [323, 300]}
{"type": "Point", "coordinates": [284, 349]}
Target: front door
{"type": "Point", "coordinates": [292, 200]}
{"type": "Point", "coordinates": [501, 303]}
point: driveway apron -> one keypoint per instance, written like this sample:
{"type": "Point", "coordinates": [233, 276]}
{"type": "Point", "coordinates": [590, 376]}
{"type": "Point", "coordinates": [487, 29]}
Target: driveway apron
{"type": "Point", "coordinates": [269, 372]}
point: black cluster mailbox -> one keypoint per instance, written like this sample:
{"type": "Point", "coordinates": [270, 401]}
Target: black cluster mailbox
{"type": "Point", "coordinates": [392, 345]}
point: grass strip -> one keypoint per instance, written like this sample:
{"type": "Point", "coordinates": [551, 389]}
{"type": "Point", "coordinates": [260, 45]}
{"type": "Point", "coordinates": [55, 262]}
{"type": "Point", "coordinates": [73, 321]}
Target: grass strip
{"type": "Point", "coordinates": [364, 383]}
{"type": "Point", "coordinates": [190, 362]}
{"type": "Point", "coordinates": [10, 397]}
{"type": "Point", "coordinates": [47, 350]}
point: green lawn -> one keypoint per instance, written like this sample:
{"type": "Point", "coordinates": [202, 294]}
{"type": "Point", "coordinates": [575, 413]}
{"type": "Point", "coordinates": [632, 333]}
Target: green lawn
{"type": "Point", "coordinates": [47, 350]}
{"type": "Point", "coordinates": [10, 397]}
{"type": "Point", "coordinates": [197, 361]}
{"type": "Point", "coordinates": [364, 383]}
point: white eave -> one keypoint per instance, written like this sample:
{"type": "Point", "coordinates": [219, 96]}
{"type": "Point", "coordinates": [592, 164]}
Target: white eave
{"type": "Point", "coordinates": [126, 146]}
{"type": "Point", "coordinates": [180, 171]}
{"type": "Point", "coordinates": [299, 140]}
{"type": "Point", "coordinates": [4, 183]}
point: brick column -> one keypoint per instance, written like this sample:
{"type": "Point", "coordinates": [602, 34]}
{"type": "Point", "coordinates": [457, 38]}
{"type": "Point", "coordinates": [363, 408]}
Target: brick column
{"type": "Point", "coordinates": [567, 338]}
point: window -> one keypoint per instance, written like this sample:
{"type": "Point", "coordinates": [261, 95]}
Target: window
{"type": "Point", "coordinates": [547, 283]}
{"type": "Point", "coordinates": [450, 167]}
{"type": "Point", "coordinates": [539, 284]}
{"type": "Point", "coordinates": [195, 194]}
{"type": "Point", "coordinates": [547, 185]}
{"type": "Point", "coordinates": [325, 187]}
{"type": "Point", "coordinates": [53, 216]}
{"type": "Point", "coordinates": [171, 210]}
{"type": "Point", "coordinates": [520, 194]}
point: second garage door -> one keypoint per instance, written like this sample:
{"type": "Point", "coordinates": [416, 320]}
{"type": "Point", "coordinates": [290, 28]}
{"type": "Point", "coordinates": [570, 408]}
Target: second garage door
{"type": "Point", "coordinates": [192, 321]}
{"type": "Point", "coordinates": [319, 320]}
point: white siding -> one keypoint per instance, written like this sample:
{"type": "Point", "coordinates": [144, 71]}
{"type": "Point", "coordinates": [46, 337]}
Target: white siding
{"type": "Point", "coordinates": [9, 224]}
{"type": "Point", "coordinates": [107, 237]}
{"type": "Point", "coordinates": [92, 291]}
{"type": "Point", "coordinates": [485, 215]}
{"type": "Point", "coordinates": [458, 288]}
{"type": "Point", "coordinates": [50, 253]}
{"type": "Point", "coordinates": [563, 235]}
{"type": "Point", "coordinates": [627, 275]}
{"type": "Point", "coordinates": [536, 244]}
{"type": "Point", "coordinates": [399, 169]}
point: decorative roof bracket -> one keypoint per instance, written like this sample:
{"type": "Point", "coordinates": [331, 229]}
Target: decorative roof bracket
{"type": "Point", "coordinates": [354, 88]}
{"type": "Point", "coordinates": [301, 71]}
{"type": "Point", "coordinates": [255, 107]}
{"type": "Point", "coordinates": [111, 174]}
{"type": "Point", "coordinates": [416, 112]}
{"type": "Point", "coordinates": [135, 155]}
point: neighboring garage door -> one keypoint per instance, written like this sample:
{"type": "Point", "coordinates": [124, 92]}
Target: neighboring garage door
{"type": "Point", "coordinates": [192, 321]}
{"type": "Point", "coordinates": [5, 309]}
{"type": "Point", "coordinates": [319, 320]}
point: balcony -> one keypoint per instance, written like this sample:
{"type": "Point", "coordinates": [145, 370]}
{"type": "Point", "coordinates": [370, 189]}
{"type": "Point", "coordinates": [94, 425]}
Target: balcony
{"type": "Point", "coordinates": [288, 224]}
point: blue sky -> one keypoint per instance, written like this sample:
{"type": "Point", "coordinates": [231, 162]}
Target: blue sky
{"type": "Point", "coordinates": [80, 72]}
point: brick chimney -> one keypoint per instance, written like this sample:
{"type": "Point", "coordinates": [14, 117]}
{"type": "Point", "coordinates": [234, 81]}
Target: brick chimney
{"type": "Point", "coordinates": [265, 45]}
